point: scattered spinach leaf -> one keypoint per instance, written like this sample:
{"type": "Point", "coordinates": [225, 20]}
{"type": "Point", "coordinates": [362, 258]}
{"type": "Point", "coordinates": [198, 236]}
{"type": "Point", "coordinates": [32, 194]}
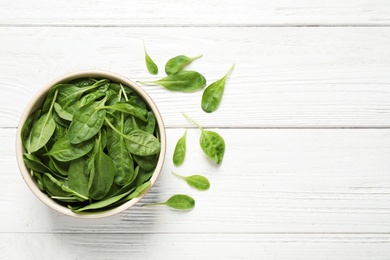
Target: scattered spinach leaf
{"type": "Point", "coordinates": [211, 143]}
{"type": "Point", "coordinates": [198, 182]}
{"type": "Point", "coordinates": [185, 81]}
{"type": "Point", "coordinates": [150, 65]}
{"type": "Point", "coordinates": [212, 95]}
{"type": "Point", "coordinates": [176, 64]}
{"type": "Point", "coordinates": [178, 201]}
{"type": "Point", "coordinates": [180, 150]}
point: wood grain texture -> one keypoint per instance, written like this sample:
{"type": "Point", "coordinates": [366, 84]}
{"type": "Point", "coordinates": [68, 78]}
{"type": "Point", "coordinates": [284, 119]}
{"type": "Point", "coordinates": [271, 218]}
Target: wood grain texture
{"type": "Point", "coordinates": [284, 77]}
{"type": "Point", "coordinates": [305, 116]}
{"type": "Point", "coordinates": [312, 181]}
{"type": "Point", "coordinates": [193, 246]}
{"type": "Point", "coordinates": [194, 13]}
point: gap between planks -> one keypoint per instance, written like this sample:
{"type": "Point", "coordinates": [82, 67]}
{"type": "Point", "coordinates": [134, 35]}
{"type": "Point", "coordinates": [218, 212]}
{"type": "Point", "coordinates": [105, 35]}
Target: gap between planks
{"type": "Point", "coordinates": [203, 233]}
{"type": "Point", "coordinates": [192, 25]}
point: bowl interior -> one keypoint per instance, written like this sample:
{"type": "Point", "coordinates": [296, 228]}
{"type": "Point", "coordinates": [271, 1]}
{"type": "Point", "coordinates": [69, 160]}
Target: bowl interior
{"type": "Point", "coordinates": [37, 101]}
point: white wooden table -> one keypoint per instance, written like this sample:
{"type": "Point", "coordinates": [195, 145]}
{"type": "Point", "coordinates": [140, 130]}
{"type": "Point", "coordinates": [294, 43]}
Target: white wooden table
{"type": "Point", "coordinates": [305, 117]}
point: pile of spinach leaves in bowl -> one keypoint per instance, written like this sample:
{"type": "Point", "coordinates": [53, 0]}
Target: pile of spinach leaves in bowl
{"type": "Point", "coordinates": [92, 145]}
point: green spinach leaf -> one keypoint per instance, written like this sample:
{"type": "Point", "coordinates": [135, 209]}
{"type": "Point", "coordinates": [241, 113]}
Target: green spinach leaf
{"type": "Point", "coordinates": [64, 151]}
{"type": "Point", "coordinates": [176, 64]}
{"type": "Point", "coordinates": [129, 108]}
{"type": "Point", "coordinates": [86, 123]}
{"type": "Point", "coordinates": [26, 128]}
{"type": "Point", "coordinates": [78, 176]}
{"type": "Point", "coordinates": [212, 95]}
{"type": "Point", "coordinates": [178, 201]}
{"type": "Point", "coordinates": [198, 182]}
{"type": "Point", "coordinates": [185, 81]}
{"type": "Point", "coordinates": [43, 129]}
{"type": "Point", "coordinates": [180, 150]}
{"type": "Point", "coordinates": [102, 177]}
{"type": "Point", "coordinates": [62, 113]}
{"type": "Point", "coordinates": [139, 142]}
{"type": "Point", "coordinates": [117, 150]}
{"type": "Point", "coordinates": [152, 67]}
{"type": "Point", "coordinates": [146, 163]}
{"type": "Point", "coordinates": [35, 164]}
{"type": "Point", "coordinates": [211, 143]}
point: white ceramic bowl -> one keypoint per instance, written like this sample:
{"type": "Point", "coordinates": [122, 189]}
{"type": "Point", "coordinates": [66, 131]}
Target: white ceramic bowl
{"type": "Point", "coordinates": [36, 102]}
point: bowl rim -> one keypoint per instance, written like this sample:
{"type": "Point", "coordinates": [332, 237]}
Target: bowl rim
{"type": "Point", "coordinates": [33, 104]}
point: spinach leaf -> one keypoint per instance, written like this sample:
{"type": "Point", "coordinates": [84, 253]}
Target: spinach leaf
{"type": "Point", "coordinates": [128, 108]}
{"type": "Point", "coordinates": [70, 94]}
{"type": "Point", "coordinates": [185, 81]}
{"type": "Point", "coordinates": [91, 97]}
{"type": "Point", "coordinates": [65, 151]}
{"type": "Point", "coordinates": [148, 126]}
{"type": "Point", "coordinates": [60, 121]}
{"type": "Point", "coordinates": [78, 176]}
{"type": "Point", "coordinates": [50, 96]}
{"type": "Point", "coordinates": [212, 95]}
{"type": "Point", "coordinates": [180, 150]}
{"type": "Point", "coordinates": [116, 87]}
{"type": "Point", "coordinates": [25, 132]}
{"type": "Point", "coordinates": [152, 67]}
{"type": "Point", "coordinates": [83, 82]}
{"type": "Point", "coordinates": [198, 182]}
{"type": "Point", "coordinates": [147, 163]}
{"type": "Point", "coordinates": [43, 129]}
{"type": "Point", "coordinates": [86, 123]}
{"type": "Point", "coordinates": [142, 143]}
{"type": "Point", "coordinates": [142, 176]}
{"type": "Point", "coordinates": [176, 64]}
{"type": "Point", "coordinates": [178, 201]}
{"type": "Point", "coordinates": [139, 191]}
{"type": "Point", "coordinates": [35, 164]}
{"type": "Point", "coordinates": [62, 113]}
{"type": "Point", "coordinates": [102, 203]}
{"type": "Point", "coordinates": [59, 169]}
{"type": "Point", "coordinates": [53, 186]}
{"type": "Point", "coordinates": [139, 142]}
{"type": "Point", "coordinates": [60, 132]}
{"type": "Point", "coordinates": [102, 177]}
{"type": "Point", "coordinates": [117, 150]}
{"type": "Point", "coordinates": [211, 143]}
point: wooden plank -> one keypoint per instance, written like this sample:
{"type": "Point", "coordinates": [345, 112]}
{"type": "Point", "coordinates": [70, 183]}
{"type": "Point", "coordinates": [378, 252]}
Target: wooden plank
{"type": "Point", "coordinates": [194, 13]}
{"type": "Point", "coordinates": [280, 180]}
{"type": "Point", "coordinates": [193, 246]}
{"type": "Point", "coordinates": [284, 77]}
